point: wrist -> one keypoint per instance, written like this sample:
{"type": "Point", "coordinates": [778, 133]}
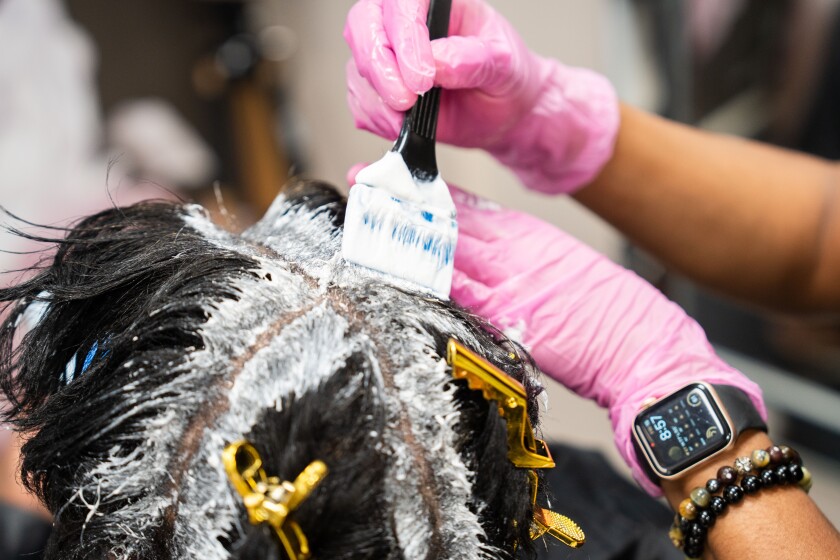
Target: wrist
{"type": "Point", "coordinates": [730, 405]}
{"type": "Point", "coordinates": [751, 484]}
{"type": "Point", "coordinates": [568, 135]}
{"type": "Point", "coordinates": [676, 490]}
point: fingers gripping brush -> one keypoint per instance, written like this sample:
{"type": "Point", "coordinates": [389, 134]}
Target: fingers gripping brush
{"type": "Point", "coordinates": [400, 218]}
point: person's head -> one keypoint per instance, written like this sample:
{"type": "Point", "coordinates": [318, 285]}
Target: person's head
{"type": "Point", "coordinates": [155, 339]}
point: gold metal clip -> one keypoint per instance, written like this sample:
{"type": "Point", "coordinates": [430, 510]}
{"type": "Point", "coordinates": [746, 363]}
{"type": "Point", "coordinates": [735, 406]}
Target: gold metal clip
{"type": "Point", "coordinates": [270, 500]}
{"type": "Point", "coordinates": [524, 450]}
{"type": "Point", "coordinates": [549, 522]}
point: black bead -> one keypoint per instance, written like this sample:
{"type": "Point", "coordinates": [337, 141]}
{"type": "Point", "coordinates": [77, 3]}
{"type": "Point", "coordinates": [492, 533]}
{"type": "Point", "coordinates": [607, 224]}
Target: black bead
{"type": "Point", "coordinates": [768, 477]}
{"type": "Point", "coordinates": [727, 475]}
{"type": "Point", "coordinates": [697, 530]}
{"type": "Point", "coordinates": [795, 472]}
{"type": "Point", "coordinates": [706, 517]}
{"type": "Point", "coordinates": [750, 484]}
{"type": "Point", "coordinates": [684, 524]}
{"type": "Point", "coordinates": [776, 455]}
{"type": "Point", "coordinates": [733, 494]}
{"type": "Point", "coordinates": [693, 542]}
{"type": "Point", "coordinates": [714, 486]}
{"type": "Point", "coordinates": [781, 473]}
{"type": "Point", "coordinates": [717, 505]}
{"type": "Point", "coordinates": [693, 552]}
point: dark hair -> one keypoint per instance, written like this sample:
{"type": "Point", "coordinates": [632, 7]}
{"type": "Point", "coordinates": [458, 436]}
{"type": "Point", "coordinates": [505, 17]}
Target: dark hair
{"type": "Point", "coordinates": [153, 338]}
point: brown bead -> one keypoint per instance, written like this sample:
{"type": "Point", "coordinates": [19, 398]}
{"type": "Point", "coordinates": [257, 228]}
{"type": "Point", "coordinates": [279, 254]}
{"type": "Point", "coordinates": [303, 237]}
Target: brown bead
{"type": "Point", "coordinates": [776, 455]}
{"type": "Point", "coordinates": [790, 455]}
{"type": "Point", "coordinates": [727, 475]}
{"type": "Point", "coordinates": [688, 509]}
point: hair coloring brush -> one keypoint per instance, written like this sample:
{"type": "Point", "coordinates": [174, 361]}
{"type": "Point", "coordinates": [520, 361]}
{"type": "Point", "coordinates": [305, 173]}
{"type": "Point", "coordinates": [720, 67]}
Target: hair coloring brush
{"type": "Point", "coordinates": [400, 217]}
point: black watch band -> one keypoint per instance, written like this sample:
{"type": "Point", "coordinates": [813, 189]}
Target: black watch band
{"type": "Point", "coordinates": [740, 408]}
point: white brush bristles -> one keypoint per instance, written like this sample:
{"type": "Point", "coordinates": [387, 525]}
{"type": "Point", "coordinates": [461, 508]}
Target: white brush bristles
{"type": "Point", "coordinates": [400, 238]}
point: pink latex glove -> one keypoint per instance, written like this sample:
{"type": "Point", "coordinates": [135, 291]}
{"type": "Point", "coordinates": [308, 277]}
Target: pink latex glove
{"type": "Point", "coordinates": [553, 125]}
{"type": "Point", "coordinates": [590, 324]}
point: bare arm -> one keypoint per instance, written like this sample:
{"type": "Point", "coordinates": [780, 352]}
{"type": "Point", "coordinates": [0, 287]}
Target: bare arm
{"type": "Point", "coordinates": [752, 221]}
{"type": "Point", "coordinates": [781, 522]}
{"type": "Point", "coordinates": [12, 491]}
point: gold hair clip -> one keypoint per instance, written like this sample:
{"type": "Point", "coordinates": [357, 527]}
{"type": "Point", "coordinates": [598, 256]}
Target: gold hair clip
{"type": "Point", "coordinates": [524, 450]}
{"type": "Point", "coordinates": [552, 523]}
{"type": "Point", "coordinates": [270, 500]}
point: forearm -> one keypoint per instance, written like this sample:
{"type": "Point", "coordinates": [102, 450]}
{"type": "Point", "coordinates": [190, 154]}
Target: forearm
{"type": "Point", "coordinates": [780, 522]}
{"type": "Point", "coordinates": [752, 221]}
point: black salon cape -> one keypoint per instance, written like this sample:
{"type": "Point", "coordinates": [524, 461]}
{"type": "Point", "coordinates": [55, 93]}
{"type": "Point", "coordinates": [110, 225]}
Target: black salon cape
{"type": "Point", "coordinates": [621, 522]}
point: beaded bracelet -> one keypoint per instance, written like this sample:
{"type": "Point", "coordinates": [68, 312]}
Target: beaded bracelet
{"type": "Point", "coordinates": [764, 468]}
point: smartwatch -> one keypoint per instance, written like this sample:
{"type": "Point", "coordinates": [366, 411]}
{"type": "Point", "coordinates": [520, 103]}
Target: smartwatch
{"type": "Point", "coordinates": [674, 433]}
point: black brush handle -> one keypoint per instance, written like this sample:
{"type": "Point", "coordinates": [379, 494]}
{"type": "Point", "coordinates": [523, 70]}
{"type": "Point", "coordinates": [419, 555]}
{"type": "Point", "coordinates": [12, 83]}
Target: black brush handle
{"type": "Point", "coordinates": [416, 142]}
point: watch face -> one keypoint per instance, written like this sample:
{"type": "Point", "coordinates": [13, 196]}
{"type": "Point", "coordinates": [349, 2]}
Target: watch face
{"type": "Point", "coordinates": [682, 429]}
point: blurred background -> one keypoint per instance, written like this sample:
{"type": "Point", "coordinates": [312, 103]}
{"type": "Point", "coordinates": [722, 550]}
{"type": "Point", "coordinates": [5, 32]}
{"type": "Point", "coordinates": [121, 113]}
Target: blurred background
{"type": "Point", "coordinates": [221, 101]}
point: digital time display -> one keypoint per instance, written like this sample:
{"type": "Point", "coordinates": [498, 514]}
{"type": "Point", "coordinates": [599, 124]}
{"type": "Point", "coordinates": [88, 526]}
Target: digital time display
{"type": "Point", "coordinates": [682, 429]}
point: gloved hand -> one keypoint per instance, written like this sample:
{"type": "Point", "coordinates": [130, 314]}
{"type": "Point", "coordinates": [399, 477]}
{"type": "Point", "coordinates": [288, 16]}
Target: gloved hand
{"type": "Point", "coordinates": [553, 125]}
{"type": "Point", "coordinates": [590, 324]}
